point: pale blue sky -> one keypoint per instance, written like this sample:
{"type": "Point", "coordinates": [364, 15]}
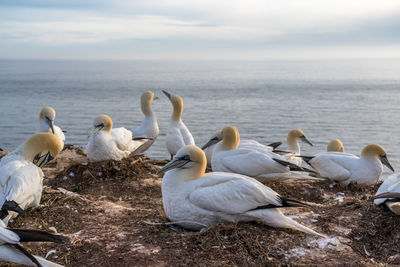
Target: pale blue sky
{"type": "Point", "coordinates": [206, 29]}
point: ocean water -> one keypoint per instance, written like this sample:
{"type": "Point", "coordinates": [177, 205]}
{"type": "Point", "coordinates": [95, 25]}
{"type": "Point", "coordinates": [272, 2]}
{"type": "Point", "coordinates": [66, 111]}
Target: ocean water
{"type": "Point", "coordinates": [355, 101]}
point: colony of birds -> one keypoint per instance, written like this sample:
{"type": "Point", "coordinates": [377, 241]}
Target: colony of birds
{"type": "Point", "coordinates": [233, 191]}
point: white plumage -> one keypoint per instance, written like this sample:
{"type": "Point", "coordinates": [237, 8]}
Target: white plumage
{"type": "Point", "coordinates": [391, 186]}
{"type": "Point", "coordinates": [346, 168]}
{"type": "Point", "coordinates": [195, 200]}
{"type": "Point", "coordinates": [149, 126]}
{"type": "Point", "coordinates": [246, 143]}
{"type": "Point", "coordinates": [20, 179]}
{"type": "Point", "coordinates": [9, 253]}
{"type": "Point", "coordinates": [250, 160]}
{"type": "Point", "coordinates": [294, 147]}
{"type": "Point", "coordinates": [178, 134]}
{"type": "Point", "coordinates": [107, 143]}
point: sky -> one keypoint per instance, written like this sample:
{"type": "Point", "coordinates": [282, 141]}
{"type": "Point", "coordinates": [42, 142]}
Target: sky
{"type": "Point", "coordinates": [202, 29]}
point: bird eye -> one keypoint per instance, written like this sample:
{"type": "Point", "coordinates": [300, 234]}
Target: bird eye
{"type": "Point", "coordinates": [186, 157]}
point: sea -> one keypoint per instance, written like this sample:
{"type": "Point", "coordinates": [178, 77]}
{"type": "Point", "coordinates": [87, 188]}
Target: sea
{"type": "Point", "coordinates": [357, 101]}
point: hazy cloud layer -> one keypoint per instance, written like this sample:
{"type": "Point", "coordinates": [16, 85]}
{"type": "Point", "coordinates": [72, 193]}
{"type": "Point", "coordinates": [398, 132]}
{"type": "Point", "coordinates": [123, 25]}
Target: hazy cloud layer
{"type": "Point", "coordinates": [199, 29]}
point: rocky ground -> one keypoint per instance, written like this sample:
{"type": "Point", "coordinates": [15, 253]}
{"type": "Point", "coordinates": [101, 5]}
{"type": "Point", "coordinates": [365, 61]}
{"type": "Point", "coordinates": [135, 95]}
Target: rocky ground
{"type": "Point", "coordinates": [112, 211]}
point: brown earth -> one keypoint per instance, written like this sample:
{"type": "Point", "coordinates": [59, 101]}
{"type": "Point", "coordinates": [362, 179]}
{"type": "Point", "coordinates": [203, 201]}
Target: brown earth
{"type": "Point", "coordinates": [112, 211]}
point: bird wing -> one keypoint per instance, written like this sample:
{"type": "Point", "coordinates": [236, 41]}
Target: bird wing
{"type": "Point", "coordinates": [25, 186]}
{"type": "Point", "coordinates": [232, 193]}
{"type": "Point", "coordinates": [253, 144]}
{"type": "Point", "coordinates": [122, 138]}
{"type": "Point", "coordinates": [7, 236]}
{"type": "Point", "coordinates": [250, 162]}
{"type": "Point", "coordinates": [8, 168]}
{"type": "Point", "coordinates": [186, 135]}
{"type": "Point", "coordinates": [391, 184]}
{"type": "Point", "coordinates": [59, 133]}
{"type": "Point", "coordinates": [334, 167]}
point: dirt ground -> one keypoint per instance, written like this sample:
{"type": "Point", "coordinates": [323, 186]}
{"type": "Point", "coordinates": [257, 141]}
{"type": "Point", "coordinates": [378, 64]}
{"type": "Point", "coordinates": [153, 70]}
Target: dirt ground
{"type": "Point", "coordinates": [112, 211]}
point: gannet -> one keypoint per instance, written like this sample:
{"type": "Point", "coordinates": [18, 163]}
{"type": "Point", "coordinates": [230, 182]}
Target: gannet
{"type": "Point", "coordinates": [12, 251]}
{"type": "Point", "coordinates": [208, 148]}
{"type": "Point", "coordinates": [293, 145]}
{"type": "Point", "coordinates": [149, 126]}
{"type": "Point", "coordinates": [20, 174]}
{"type": "Point", "coordinates": [195, 200]}
{"type": "Point", "coordinates": [178, 134]}
{"type": "Point", "coordinates": [389, 193]}
{"type": "Point", "coordinates": [107, 143]}
{"type": "Point", "coordinates": [255, 162]}
{"type": "Point", "coordinates": [46, 117]}
{"type": "Point", "coordinates": [335, 145]}
{"type": "Point", "coordinates": [346, 168]}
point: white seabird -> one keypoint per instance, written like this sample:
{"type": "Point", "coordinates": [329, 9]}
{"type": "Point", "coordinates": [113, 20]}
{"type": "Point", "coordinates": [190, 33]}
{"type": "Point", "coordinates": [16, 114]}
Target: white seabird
{"type": "Point", "coordinates": [293, 145]}
{"type": "Point", "coordinates": [255, 162]}
{"type": "Point", "coordinates": [335, 145]}
{"type": "Point", "coordinates": [178, 134]}
{"type": "Point", "coordinates": [149, 126]}
{"type": "Point", "coordinates": [21, 178]}
{"type": "Point", "coordinates": [107, 143]}
{"type": "Point", "coordinates": [209, 147]}
{"type": "Point", "coordinates": [12, 251]}
{"type": "Point", "coordinates": [195, 200]}
{"type": "Point", "coordinates": [46, 118]}
{"type": "Point", "coordinates": [346, 168]}
{"type": "Point", "coordinates": [389, 193]}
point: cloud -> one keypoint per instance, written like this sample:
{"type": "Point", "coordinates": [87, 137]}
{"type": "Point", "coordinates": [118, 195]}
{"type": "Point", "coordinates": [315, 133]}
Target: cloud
{"type": "Point", "coordinates": [236, 25]}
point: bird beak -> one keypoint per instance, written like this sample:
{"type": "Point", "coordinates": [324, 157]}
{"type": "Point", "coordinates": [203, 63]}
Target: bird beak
{"type": "Point", "coordinates": [95, 130]}
{"type": "Point", "coordinates": [167, 94]}
{"type": "Point", "coordinates": [305, 140]}
{"type": "Point", "coordinates": [386, 195]}
{"type": "Point", "coordinates": [156, 98]}
{"type": "Point", "coordinates": [40, 161]}
{"type": "Point", "coordinates": [386, 162]}
{"type": "Point", "coordinates": [51, 124]}
{"type": "Point", "coordinates": [175, 163]}
{"type": "Point", "coordinates": [211, 142]}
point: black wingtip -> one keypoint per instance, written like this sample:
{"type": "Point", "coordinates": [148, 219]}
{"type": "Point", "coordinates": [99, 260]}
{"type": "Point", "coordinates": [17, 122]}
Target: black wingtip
{"type": "Point", "coordinates": [275, 144]}
{"type": "Point", "coordinates": [277, 151]}
{"type": "Point", "coordinates": [287, 202]}
{"type": "Point", "coordinates": [292, 166]}
{"type": "Point", "coordinates": [306, 158]}
{"type": "Point", "coordinates": [38, 236]}
{"type": "Point", "coordinates": [141, 138]}
{"type": "Point", "coordinates": [1, 149]}
{"type": "Point", "coordinates": [11, 205]}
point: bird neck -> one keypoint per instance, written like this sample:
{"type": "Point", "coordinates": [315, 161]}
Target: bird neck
{"type": "Point", "coordinates": [44, 126]}
{"type": "Point", "coordinates": [177, 112]}
{"type": "Point", "coordinates": [146, 107]}
{"type": "Point", "coordinates": [293, 145]}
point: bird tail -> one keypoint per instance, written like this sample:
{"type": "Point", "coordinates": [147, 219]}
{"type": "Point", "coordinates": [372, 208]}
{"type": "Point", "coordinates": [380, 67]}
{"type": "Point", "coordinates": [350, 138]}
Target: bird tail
{"type": "Point", "coordinates": [386, 195]}
{"type": "Point", "coordinates": [275, 144]}
{"type": "Point", "coordinates": [275, 218]}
